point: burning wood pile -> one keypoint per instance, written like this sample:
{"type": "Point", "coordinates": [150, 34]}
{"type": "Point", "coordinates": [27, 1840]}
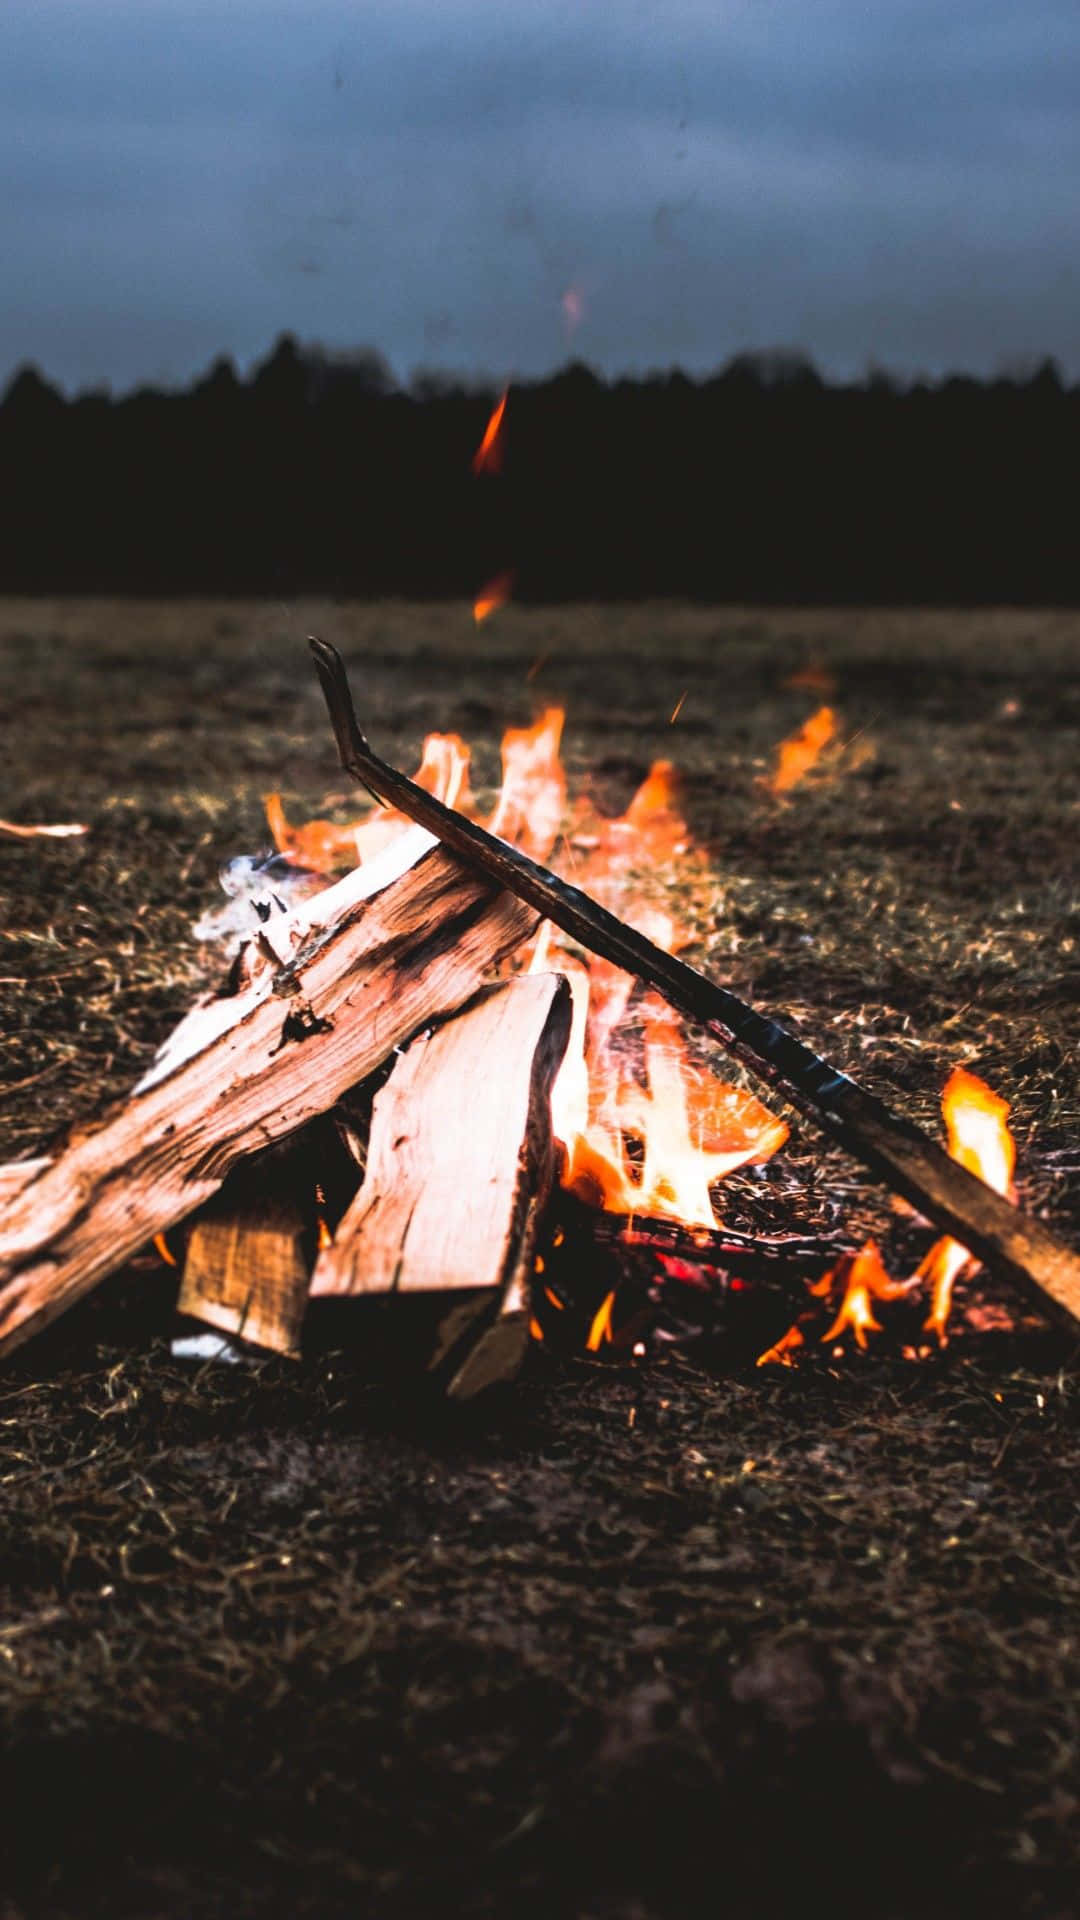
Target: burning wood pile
{"type": "Point", "coordinates": [416, 1087]}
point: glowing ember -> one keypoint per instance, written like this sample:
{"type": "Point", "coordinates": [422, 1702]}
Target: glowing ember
{"type": "Point", "coordinates": [979, 1138]}
{"type": "Point", "coordinates": [493, 596]}
{"type": "Point", "coordinates": [488, 457]}
{"type": "Point", "coordinates": [161, 1246]}
{"type": "Point", "coordinates": [325, 1237]}
{"type": "Point", "coordinates": [69, 830]}
{"type": "Point", "coordinates": [802, 750]}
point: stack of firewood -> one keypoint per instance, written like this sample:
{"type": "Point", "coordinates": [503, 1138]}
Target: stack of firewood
{"type": "Point", "coordinates": [459, 1158]}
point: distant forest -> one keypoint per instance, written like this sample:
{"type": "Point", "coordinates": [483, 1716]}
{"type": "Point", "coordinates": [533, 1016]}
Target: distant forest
{"type": "Point", "coordinates": [762, 483]}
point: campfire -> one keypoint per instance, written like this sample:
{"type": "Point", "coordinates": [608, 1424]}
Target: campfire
{"type": "Point", "coordinates": [443, 1070]}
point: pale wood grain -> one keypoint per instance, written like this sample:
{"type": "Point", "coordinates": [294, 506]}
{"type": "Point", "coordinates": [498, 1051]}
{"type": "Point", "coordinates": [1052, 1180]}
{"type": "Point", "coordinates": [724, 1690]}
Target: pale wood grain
{"type": "Point", "coordinates": [460, 1164]}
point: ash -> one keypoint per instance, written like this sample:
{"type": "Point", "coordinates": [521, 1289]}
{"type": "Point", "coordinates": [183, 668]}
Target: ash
{"type": "Point", "coordinates": [258, 888]}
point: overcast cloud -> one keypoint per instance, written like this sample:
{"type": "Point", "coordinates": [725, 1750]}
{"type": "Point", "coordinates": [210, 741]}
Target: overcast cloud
{"type": "Point", "coordinates": [872, 180]}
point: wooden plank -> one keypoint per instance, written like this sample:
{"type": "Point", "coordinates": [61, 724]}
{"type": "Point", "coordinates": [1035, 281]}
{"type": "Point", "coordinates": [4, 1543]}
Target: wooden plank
{"type": "Point", "coordinates": [299, 1037]}
{"type": "Point", "coordinates": [250, 1250]}
{"type": "Point", "coordinates": [246, 1274]}
{"type": "Point", "coordinates": [460, 1164]}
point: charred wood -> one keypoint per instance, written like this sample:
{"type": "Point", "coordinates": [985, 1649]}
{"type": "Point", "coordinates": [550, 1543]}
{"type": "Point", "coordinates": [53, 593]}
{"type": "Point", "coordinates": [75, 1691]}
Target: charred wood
{"type": "Point", "coordinates": [615, 1281]}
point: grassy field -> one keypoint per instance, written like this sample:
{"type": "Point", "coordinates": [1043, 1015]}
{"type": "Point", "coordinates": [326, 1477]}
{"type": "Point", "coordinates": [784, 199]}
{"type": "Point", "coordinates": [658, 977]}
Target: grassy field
{"type": "Point", "coordinates": [289, 1642]}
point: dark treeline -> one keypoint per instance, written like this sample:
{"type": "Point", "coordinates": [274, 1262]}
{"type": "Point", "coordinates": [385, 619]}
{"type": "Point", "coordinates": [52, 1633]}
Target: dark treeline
{"type": "Point", "coordinates": [761, 483]}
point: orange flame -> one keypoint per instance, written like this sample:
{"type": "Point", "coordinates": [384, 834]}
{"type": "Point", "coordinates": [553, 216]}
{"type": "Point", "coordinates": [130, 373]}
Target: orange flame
{"type": "Point", "coordinates": [601, 1326]}
{"type": "Point", "coordinates": [324, 846]}
{"type": "Point", "coordinates": [801, 750]}
{"type": "Point", "coordinates": [781, 1355]}
{"type": "Point", "coordinates": [320, 844]}
{"type": "Point", "coordinates": [325, 1237]}
{"type": "Point", "coordinates": [975, 1121]}
{"type": "Point", "coordinates": [619, 860]}
{"type": "Point", "coordinates": [979, 1138]}
{"type": "Point", "coordinates": [645, 1128]}
{"type": "Point", "coordinates": [856, 1313]}
{"type": "Point", "coordinates": [653, 1133]}
{"type": "Point", "coordinates": [488, 457]}
{"type": "Point", "coordinates": [493, 596]}
{"type": "Point", "coordinates": [865, 1280]}
{"type": "Point", "coordinates": [690, 1129]}
{"type": "Point", "coordinates": [532, 799]}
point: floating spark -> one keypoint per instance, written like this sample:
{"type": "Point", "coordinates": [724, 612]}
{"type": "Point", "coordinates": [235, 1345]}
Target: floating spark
{"type": "Point", "coordinates": [488, 457]}
{"type": "Point", "coordinates": [494, 595]}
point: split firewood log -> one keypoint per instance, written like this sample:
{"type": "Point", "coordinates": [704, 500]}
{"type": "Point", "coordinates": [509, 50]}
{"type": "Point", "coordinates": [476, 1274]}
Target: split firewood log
{"type": "Point", "coordinates": [249, 1252]}
{"type": "Point", "coordinates": [460, 1163]}
{"type": "Point", "coordinates": [359, 977]}
{"type": "Point", "coordinates": [17, 1174]}
{"type": "Point", "coordinates": [246, 1269]}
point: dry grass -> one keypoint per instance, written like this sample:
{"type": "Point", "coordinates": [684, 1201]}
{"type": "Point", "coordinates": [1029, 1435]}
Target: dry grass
{"type": "Point", "coordinates": [284, 1643]}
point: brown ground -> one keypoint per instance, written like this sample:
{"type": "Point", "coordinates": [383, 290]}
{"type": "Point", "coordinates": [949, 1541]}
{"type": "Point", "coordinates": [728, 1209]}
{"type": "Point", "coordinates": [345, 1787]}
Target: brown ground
{"type": "Point", "coordinates": [294, 1642]}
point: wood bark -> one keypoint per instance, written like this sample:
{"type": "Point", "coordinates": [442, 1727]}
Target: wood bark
{"type": "Point", "coordinates": [290, 1043]}
{"type": "Point", "coordinates": [460, 1163]}
{"type": "Point", "coordinates": [893, 1148]}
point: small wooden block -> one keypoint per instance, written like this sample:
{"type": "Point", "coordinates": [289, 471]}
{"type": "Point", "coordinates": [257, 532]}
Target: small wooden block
{"type": "Point", "coordinates": [246, 1273]}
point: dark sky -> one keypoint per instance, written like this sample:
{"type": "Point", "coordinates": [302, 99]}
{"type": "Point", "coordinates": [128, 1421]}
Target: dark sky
{"type": "Point", "coordinates": [490, 185]}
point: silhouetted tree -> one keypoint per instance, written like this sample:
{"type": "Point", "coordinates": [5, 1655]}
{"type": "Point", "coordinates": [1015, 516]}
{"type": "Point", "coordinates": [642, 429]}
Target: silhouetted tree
{"type": "Point", "coordinates": [762, 482]}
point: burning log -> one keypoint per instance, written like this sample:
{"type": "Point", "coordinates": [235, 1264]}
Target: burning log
{"type": "Point", "coordinates": [460, 1163]}
{"type": "Point", "coordinates": [358, 978]}
{"type": "Point", "coordinates": [622, 1281]}
{"type": "Point", "coordinates": [894, 1149]}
